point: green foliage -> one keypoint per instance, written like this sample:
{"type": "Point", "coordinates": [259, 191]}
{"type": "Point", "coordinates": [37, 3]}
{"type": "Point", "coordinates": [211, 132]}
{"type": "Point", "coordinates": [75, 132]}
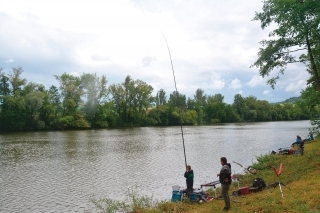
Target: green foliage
{"type": "Point", "coordinates": [161, 98]}
{"type": "Point", "coordinates": [190, 117]}
{"type": "Point", "coordinates": [292, 100]}
{"type": "Point", "coordinates": [84, 102]}
{"type": "Point", "coordinates": [70, 122]}
{"type": "Point", "coordinates": [135, 203]}
{"type": "Point", "coordinates": [215, 112]}
{"type": "Point", "coordinates": [131, 100]}
{"type": "Point", "coordinates": [13, 114]}
{"type": "Point", "coordinates": [107, 205]}
{"type": "Point", "coordinates": [239, 105]}
{"type": "Point", "coordinates": [159, 116]}
{"type": "Point", "coordinates": [267, 161]}
{"type": "Point", "coordinates": [178, 100]}
{"type": "Point", "coordinates": [310, 104]}
{"type": "Point", "coordinates": [297, 30]}
{"type": "Point", "coordinates": [231, 115]}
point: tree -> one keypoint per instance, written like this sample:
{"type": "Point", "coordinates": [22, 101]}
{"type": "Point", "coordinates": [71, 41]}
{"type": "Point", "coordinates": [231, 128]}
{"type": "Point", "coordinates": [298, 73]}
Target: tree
{"type": "Point", "coordinates": [215, 112]}
{"type": "Point", "coordinates": [178, 100]}
{"type": "Point", "coordinates": [161, 98]}
{"type": "Point", "coordinates": [239, 105]}
{"type": "Point", "coordinates": [199, 102]}
{"type": "Point", "coordinates": [4, 86]}
{"type": "Point", "coordinates": [54, 99]}
{"type": "Point", "coordinates": [264, 110]}
{"type": "Point", "coordinates": [34, 101]}
{"type": "Point", "coordinates": [216, 98]}
{"type": "Point", "coordinates": [142, 99]}
{"type": "Point", "coordinates": [190, 117]}
{"type": "Point", "coordinates": [71, 92]}
{"type": "Point", "coordinates": [13, 114]}
{"type": "Point", "coordinates": [118, 98]}
{"type": "Point", "coordinates": [16, 81]}
{"type": "Point", "coordinates": [159, 116]}
{"type": "Point", "coordinates": [231, 115]}
{"type": "Point", "coordinates": [131, 101]}
{"type": "Point", "coordinates": [96, 92]}
{"type": "Point", "coordinates": [200, 96]}
{"type": "Point", "coordinates": [32, 87]}
{"type": "Point", "coordinates": [298, 30]}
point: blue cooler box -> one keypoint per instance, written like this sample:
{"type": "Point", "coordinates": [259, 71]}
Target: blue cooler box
{"type": "Point", "coordinates": [176, 196]}
{"type": "Point", "coordinates": [193, 197]}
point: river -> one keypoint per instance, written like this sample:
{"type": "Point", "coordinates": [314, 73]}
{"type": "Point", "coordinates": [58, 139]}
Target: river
{"type": "Point", "coordinates": [59, 171]}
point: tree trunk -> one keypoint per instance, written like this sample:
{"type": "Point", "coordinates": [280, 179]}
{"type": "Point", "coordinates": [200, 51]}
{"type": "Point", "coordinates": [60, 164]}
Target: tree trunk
{"type": "Point", "coordinates": [313, 66]}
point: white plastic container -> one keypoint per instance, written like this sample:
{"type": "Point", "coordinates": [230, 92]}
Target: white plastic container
{"type": "Point", "coordinates": [175, 188]}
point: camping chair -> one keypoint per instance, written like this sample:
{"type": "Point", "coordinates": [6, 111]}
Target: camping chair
{"type": "Point", "coordinates": [278, 183]}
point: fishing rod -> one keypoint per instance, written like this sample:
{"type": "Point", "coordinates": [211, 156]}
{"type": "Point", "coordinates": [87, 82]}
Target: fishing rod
{"type": "Point", "coordinates": [175, 84]}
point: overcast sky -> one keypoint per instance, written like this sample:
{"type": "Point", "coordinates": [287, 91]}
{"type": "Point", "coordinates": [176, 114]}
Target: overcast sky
{"type": "Point", "coordinates": [212, 44]}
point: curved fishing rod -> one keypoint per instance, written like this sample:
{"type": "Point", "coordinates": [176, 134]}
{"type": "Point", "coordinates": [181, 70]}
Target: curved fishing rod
{"type": "Point", "coordinates": [175, 84]}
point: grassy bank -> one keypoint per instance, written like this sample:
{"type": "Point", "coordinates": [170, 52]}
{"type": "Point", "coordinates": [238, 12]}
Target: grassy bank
{"type": "Point", "coordinates": [301, 194]}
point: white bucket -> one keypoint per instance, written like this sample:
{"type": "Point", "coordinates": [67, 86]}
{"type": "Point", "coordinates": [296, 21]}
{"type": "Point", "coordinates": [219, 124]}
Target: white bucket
{"type": "Point", "coordinates": [175, 188]}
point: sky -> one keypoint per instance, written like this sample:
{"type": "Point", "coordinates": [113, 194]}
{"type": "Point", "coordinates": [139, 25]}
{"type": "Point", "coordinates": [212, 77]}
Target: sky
{"type": "Point", "coordinates": [212, 44]}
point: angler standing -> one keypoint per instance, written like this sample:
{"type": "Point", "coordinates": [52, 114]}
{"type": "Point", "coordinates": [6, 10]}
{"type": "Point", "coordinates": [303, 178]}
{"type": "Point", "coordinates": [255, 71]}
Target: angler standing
{"type": "Point", "coordinates": [189, 178]}
{"type": "Point", "coordinates": [225, 180]}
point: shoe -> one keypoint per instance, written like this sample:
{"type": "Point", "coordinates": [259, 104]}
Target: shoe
{"type": "Point", "coordinates": [226, 209]}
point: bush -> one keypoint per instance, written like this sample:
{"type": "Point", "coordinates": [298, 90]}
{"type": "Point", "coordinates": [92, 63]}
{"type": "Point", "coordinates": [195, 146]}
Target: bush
{"type": "Point", "coordinates": [266, 161]}
{"type": "Point", "coordinates": [135, 203]}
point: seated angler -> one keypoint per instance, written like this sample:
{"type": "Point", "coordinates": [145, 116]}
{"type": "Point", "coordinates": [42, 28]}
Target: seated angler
{"type": "Point", "coordinates": [311, 137]}
{"type": "Point", "coordinates": [298, 140]}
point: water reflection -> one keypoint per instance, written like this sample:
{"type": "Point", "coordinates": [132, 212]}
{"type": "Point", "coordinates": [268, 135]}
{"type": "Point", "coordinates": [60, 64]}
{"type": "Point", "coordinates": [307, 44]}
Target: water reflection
{"type": "Point", "coordinates": [59, 171]}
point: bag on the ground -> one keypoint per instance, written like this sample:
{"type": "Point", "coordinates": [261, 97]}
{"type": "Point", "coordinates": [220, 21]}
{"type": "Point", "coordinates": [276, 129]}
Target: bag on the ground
{"type": "Point", "coordinates": [259, 182]}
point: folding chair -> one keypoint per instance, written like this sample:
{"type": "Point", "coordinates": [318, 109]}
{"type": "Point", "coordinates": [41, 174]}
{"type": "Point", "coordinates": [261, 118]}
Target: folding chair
{"type": "Point", "coordinates": [279, 183]}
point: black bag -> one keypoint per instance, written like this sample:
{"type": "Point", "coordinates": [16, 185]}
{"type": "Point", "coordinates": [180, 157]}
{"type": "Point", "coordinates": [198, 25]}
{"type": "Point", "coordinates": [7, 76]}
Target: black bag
{"type": "Point", "coordinates": [259, 182]}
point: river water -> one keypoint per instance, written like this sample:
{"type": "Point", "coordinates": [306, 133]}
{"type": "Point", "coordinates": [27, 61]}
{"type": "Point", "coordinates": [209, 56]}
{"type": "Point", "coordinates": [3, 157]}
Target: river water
{"type": "Point", "coordinates": [60, 171]}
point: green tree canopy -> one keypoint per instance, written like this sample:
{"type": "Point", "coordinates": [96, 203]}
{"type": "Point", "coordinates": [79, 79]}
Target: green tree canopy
{"type": "Point", "coordinates": [297, 31]}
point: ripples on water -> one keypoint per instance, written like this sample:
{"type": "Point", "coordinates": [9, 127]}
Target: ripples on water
{"type": "Point", "coordinates": [59, 171]}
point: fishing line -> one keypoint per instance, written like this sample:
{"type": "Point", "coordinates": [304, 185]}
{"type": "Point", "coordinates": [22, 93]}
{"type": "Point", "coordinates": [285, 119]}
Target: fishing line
{"type": "Point", "coordinates": [175, 84]}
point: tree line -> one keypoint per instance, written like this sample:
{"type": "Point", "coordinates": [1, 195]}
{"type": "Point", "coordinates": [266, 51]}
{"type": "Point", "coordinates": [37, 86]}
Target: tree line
{"type": "Point", "coordinates": [86, 101]}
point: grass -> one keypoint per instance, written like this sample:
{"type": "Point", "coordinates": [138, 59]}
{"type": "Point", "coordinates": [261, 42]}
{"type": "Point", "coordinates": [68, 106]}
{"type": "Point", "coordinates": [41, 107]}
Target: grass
{"type": "Point", "coordinates": [301, 194]}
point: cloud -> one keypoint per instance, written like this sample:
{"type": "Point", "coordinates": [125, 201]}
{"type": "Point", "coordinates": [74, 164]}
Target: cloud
{"type": "Point", "coordinates": [10, 60]}
{"type": "Point", "coordinates": [235, 84]}
{"type": "Point", "coordinates": [215, 83]}
{"type": "Point", "coordinates": [99, 58]}
{"type": "Point", "coordinates": [75, 74]}
{"type": "Point", "coordinates": [296, 87]}
{"type": "Point", "coordinates": [147, 60]}
{"type": "Point", "coordinates": [266, 92]}
{"type": "Point", "coordinates": [256, 81]}
{"type": "Point", "coordinates": [25, 43]}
